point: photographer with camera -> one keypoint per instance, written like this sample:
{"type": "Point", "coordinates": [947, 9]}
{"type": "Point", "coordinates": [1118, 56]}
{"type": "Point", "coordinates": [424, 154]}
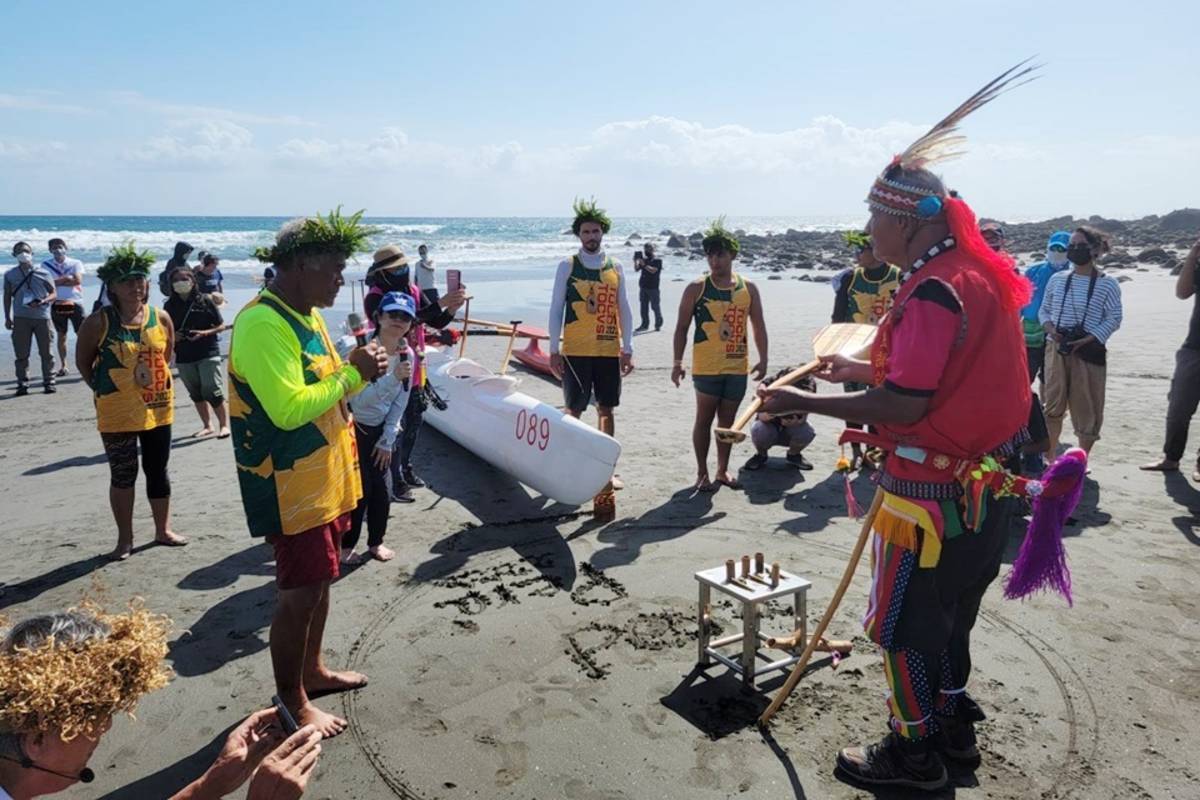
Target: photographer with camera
{"type": "Point", "coordinates": [1081, 310]}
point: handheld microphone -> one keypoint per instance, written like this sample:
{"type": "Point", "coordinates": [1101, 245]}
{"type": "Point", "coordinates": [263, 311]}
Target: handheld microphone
{"type": "Point", "coordinates": [84, 775]}
{"type": "Point", "coordinates": [357, 327]}
{"type": "Point", "coordinates": [404, 359]}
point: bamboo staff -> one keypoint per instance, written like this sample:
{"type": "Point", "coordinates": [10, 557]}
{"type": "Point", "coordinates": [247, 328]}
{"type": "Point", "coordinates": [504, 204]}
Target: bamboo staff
{"type": "Point", "coordinates": [512, 337]}
{"type": "Point", "coordinates": [851, 565]}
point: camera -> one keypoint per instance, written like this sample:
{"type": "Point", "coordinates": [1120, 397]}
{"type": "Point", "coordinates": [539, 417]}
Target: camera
{"type": "Point", "coordinates": [1068, 335]}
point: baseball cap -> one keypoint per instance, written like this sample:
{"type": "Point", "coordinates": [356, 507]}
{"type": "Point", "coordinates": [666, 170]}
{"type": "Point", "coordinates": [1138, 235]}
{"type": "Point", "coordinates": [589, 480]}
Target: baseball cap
{"type": "Point", "coordinates": [1059, 239]}
{"type": "Point", "coordinates": [398, 301]}
{"type": "Point", "coordinates": [992, 227]}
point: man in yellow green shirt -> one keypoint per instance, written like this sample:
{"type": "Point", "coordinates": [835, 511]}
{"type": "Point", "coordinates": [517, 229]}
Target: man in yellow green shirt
{"type": "Point", "coordinates": [296, 459]}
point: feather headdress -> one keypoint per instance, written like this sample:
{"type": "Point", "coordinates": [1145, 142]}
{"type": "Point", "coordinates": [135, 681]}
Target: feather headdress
{"type": "Point", "coordinates": [942, 142]}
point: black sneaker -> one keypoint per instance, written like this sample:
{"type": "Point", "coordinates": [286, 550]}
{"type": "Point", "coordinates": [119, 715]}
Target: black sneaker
{"type": "Point", "coordinates": [641, 328]}
{"type": "Point", "coordinates": [21, 391]}
{"type": "Point", "coordinates": [757, 461]}
{"type": "Point", "coordinates": [411, 479]}
{"type": "Point", "coordinates": [401, 494]}
{"type": "Point", "coordinates": [894, 762]}
{"type": "Point", "coordinates": [49, 388]}
{"type": "Point", "coordinates": [956, 739]}
{"type": "Point", "coordinates": [798, 461]}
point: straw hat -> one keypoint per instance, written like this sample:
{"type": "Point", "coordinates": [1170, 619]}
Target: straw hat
{"type": "Point", "coordinates": [389, 256]}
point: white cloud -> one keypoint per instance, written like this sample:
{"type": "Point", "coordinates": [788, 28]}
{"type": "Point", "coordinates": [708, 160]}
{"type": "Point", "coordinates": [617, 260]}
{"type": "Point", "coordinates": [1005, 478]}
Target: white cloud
{"type": "Point", "coordinates": [36, 101]}
{"type": "Point", "coordinates": [20, 151]}
{"type": "Point", "coordinates": [392, 149]}
{"type": "Point", "coordinates": [198, 144]}
{"type": "Point", "coordinates": [185, 111]}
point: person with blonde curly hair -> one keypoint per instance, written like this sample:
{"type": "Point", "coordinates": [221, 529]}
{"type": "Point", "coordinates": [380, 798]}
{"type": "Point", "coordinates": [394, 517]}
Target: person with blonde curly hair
{"type": "Point", "coordinates": [65, 676]}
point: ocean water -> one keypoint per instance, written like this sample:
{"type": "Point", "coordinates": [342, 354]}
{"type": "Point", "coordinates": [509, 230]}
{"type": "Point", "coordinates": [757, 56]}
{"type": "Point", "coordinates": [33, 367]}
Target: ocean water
{"type": "Point", "coordinates": [507, 264]}
{"type": "Point", "coordinates": [487, 248]}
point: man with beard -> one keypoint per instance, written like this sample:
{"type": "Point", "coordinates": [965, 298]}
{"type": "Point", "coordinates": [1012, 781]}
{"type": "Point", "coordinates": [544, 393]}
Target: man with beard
{"type": "Point", "coordinates": [590, 309]}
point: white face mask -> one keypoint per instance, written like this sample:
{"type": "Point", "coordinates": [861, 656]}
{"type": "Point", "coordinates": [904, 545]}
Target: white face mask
{"type": "Point", "coordinates": [1056, 259]}
{"type": "Point", "coordinates": [24, 258]}
{"type": "Point", "coordinates": [182, 288]}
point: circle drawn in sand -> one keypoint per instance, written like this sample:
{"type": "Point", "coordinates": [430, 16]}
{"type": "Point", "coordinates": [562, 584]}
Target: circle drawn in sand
{"type": "Point", "coordinates": [578, 676]}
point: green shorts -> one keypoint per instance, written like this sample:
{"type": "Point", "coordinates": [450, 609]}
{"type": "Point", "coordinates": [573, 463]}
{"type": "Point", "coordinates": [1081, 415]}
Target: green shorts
{"type": "Point", "coordinates": [726, 387]}
{"type": "Point", "coordinates": [203, 380]}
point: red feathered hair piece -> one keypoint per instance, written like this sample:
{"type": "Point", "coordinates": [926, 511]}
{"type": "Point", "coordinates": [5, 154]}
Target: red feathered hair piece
{"type": "Point", "coordinates": [1011, 287]}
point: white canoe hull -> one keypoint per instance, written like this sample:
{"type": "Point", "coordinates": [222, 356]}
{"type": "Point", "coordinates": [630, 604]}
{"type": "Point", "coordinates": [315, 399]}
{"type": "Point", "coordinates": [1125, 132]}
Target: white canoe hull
{"type": "Point", "coordinates": [549, 451]}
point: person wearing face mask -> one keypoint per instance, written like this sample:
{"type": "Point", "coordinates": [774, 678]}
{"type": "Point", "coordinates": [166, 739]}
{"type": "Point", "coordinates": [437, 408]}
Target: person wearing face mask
{"type": "Point", "coordinates": [1039, 275]}
{"type": "Point", "coordinates": [390, 272]}
{"type": "Point", "coordinates": [179, 259]}
{"type": "Point", "coordinates": [198, 323]}
{"type": "Point", "coordinates": [378, 417]}
{"type": "Point", "coordinates": [1080, 311]}
{"type": "Point", "coordinates": [29, 293]}
{"type": "Point", "coordinates": [68, 307]}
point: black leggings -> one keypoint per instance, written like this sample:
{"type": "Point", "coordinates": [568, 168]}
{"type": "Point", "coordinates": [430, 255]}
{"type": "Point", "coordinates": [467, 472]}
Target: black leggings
{"type": "Point", "coordinates": [122, 452]}
{"type": "Point", "coordinates": [375, 504]}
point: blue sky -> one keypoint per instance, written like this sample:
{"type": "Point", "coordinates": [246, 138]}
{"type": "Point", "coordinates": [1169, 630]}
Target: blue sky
{"type": "Point", "coordinates": [472, 108]}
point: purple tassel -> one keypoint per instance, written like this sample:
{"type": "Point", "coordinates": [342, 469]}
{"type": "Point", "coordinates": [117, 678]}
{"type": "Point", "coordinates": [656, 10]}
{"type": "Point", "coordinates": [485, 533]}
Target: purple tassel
{"type": "Point", "coordinates": [1042, 561]}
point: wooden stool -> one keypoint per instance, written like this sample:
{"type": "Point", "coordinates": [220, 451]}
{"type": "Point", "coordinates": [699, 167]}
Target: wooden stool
{"type": "Point", "coordinates": [751, 590]}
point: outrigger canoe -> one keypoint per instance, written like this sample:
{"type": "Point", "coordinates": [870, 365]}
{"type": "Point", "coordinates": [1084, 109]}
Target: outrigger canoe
{"type": "Point", "coordinates": [549, 451]}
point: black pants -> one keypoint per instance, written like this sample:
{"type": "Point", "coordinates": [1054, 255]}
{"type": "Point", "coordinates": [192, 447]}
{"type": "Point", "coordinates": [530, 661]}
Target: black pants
{"type": "Point", "coordinates": [414, 415]}
{"type": "Point", "coordinates": [375, 503]}
{"type": "Point", "coordinates": [650, 299]}
{"type": "Point", "coordinates": [122, 452]}
{"type": "Point", "coordinates": [1035, 357]}
{"type": "Point", "coordinates": [1182, 402]}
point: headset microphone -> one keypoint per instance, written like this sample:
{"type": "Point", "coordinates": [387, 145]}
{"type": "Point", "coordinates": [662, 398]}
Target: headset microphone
{"type": "Point", "coordinates": [84, 775]}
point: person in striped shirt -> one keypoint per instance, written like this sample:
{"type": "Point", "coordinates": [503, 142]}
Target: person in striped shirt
{"type": "Point", "coordinates": [1080, 311]}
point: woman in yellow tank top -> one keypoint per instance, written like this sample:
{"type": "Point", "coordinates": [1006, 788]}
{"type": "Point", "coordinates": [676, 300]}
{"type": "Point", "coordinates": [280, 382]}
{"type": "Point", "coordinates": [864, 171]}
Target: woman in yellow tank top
{"type": "Point", "coordinates": [124, 354]}
{"type": "Point", "coordinates": [723, 305]}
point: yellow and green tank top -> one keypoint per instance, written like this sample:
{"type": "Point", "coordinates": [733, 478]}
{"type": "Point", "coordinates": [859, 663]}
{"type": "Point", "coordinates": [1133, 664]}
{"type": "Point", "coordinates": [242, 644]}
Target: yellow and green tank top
{"type": "Point", "coordinates": [719, 344]}
{"type": "Point", "coordinates": [297, 463]}
{"type": "Point", "coordinates": [591, 322]}
{"type": "Point", "coordinates": [867, 300]}
{"type": "Point", "coordinates": [132, 374]}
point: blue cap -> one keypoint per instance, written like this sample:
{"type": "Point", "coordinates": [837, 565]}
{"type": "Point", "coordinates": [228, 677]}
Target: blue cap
{"type": "Point", "coordinates": [398, 301]}
{"type": "Point", "coordinates": [1059, 239]}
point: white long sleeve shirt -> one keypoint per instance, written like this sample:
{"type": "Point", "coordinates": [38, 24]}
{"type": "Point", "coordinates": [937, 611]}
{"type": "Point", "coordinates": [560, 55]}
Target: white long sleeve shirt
{"type": "Point", "coordinates": [558, 299]}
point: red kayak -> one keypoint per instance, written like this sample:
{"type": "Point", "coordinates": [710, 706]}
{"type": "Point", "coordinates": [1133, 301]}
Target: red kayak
{"type": "Point", "coordinates": [533, 356]}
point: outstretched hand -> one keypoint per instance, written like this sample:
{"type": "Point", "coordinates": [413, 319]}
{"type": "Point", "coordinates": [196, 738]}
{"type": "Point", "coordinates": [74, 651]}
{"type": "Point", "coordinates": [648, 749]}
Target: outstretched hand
{"type": "Point", "coordinates": [783, 400]}
{"type": "Point", "coordinates": [839, 369]}
{"type": "Point", "coordinates": [285, 772]}
{"type": "Point", "coordinates": [244, 750]}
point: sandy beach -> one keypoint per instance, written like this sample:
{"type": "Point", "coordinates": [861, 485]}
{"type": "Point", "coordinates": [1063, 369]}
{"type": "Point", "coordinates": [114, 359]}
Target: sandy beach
{"type": "Point", "coordinates": [518, 649]}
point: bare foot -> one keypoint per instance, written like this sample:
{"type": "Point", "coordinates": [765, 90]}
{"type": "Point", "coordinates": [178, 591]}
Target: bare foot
{"type": "Point", "coordinates": [121, 552]}
{"type": "Point", "coordinates": [329, 682]}
{"type": "Point", "coordinates": [170, 539]}
{"type": "Point", "coordinates": [617, 483]}
{"type": "Point", "coordinates": [323, 721]}
{"type": "Point", "coordinates": [1162, 465]}
{"type": "Point", "coordinates": [200, 434]}
{"type": "Point", "coordinates": [382, 553]}
{"type": "Point", "coordinates": [703, 484]}
{"type": "Point", "coordinates": [223, 433]}
{"type": "Point", "coordinates": [726, 479]}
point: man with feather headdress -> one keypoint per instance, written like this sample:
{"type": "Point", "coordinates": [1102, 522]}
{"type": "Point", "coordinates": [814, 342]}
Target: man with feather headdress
{"type": "Point", "coordinates": [948, 396]}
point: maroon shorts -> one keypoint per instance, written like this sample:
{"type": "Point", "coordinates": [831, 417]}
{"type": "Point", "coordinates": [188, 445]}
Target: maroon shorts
{"type": "Point", "coordinates": [311, 556]}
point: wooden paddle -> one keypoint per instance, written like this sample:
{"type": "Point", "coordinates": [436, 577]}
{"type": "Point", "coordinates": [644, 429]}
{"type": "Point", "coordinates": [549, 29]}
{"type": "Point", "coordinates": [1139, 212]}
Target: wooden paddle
{"type": "Point", "coordinates": [843, 338]}
{"type": "Point", "coordinates": [819, 633]}
{"type": "Point", "coordinates": [506, 329]}
{"type": "Point", "coordinates": [462, 342]}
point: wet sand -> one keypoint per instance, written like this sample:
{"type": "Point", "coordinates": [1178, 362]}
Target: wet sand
{"type": "Point", "coordinates": [518, 649]}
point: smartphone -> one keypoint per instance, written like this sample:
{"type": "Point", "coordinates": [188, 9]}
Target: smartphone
{"type": "Point", "coordinates": [285, 717]}
{"type": "Point", "coordinates": [453, 280]}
